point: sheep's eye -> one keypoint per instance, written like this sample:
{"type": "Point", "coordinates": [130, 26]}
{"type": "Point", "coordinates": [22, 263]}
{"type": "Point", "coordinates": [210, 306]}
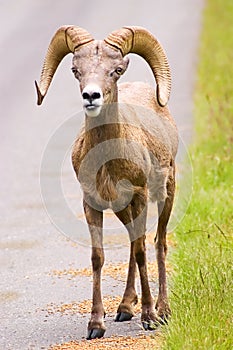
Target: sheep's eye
{"type": "Point", "coordinates": [75, 71]}
{"type": "Point", "coordinates": [119, 70]}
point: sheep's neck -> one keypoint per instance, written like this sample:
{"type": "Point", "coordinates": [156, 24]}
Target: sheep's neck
{"type": "Point", "coordinates": [106, 126]}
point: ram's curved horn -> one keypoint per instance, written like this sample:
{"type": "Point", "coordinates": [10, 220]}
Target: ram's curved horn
{"type": "Point", "coordinates": [140, 41]}
{"type": "Point", "coordinates": [65, 40]}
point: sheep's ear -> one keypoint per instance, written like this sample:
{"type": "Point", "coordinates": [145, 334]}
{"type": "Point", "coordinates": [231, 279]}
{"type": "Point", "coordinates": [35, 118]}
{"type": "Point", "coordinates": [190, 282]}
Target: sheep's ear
{"type": "Point", "coordinates": [126, 61]}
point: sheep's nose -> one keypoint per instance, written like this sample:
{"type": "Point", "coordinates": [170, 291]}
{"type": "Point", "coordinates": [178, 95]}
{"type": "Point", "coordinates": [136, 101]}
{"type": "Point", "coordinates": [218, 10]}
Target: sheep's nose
{"type": "Point", "coordinates": [92, 93]}
{"type": "Point", "coordinates": [91, 96]}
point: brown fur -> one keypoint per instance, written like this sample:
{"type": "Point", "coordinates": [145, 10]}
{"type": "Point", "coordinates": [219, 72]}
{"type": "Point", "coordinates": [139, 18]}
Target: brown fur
{"type": "Point", "coordinates": [144, 136]}
{"type": "Point", "coordinates": [123, 157]}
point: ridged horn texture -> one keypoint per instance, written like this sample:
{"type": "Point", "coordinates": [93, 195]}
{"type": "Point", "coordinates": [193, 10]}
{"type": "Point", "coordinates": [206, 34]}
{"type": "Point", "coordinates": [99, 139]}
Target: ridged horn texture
{"type": "Point", "coordinates": [65, 40]}
{"type": "Point", "coordinates": [140, 41]}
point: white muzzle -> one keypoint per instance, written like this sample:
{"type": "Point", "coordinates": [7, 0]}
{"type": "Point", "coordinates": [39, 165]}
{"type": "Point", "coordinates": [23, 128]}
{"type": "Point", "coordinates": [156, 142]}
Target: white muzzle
{"type": "Point", "coordinates": [92, 100]}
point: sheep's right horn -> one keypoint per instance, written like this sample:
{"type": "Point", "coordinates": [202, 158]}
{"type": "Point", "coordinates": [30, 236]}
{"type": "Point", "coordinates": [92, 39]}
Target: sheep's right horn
{"type": "Point", "coordinates": [65, 40]}
{"type": "Point", "coordinates": [140, 41]}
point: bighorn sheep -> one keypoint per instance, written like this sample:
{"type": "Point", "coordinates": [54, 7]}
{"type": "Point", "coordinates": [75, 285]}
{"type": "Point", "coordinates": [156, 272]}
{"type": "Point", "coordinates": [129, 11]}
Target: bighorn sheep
{"type": "Point", "coordinates": [132, 130]}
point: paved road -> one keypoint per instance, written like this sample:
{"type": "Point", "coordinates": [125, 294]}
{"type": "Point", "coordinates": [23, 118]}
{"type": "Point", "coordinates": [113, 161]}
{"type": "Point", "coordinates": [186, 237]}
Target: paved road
{"type": "Point", "coordinates": [30, 246]}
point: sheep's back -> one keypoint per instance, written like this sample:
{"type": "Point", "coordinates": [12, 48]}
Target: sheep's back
{"type": "Point", "coordinates": [138, 107]}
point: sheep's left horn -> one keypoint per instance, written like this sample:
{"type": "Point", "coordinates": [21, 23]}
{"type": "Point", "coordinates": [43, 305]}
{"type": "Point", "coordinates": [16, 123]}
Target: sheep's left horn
{"type": "Point", "coordinates": [138, 40]}
{"type": "Point", "coordinates": [65, 40]}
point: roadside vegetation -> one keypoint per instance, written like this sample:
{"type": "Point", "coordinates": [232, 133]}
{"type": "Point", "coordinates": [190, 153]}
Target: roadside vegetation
{"type": "Point", "coordinates": [201, 292]}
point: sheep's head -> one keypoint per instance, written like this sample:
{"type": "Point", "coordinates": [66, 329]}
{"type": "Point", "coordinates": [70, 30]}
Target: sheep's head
{"type": "Point", "coordinates": [98, 64]}
{"type": "Point", "coordinates": [98, 67]}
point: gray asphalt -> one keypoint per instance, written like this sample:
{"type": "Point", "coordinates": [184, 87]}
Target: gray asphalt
{"type": "Point", "coordinates": [30, 244]}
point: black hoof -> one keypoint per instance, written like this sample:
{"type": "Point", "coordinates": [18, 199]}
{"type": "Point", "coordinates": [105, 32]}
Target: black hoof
{"type": "Point", "coordinates": [123, 316]}
{"type": "Point", "coordinates": [163, 320]}
{"type": "Point", "coordinates": [95, 333]}
{"type": "Point", "coordinates": [150, 325]}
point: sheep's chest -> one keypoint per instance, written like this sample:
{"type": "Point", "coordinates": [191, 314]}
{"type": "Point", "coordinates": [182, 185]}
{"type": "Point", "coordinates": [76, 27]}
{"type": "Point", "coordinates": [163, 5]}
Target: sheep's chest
{"type": "Point", "coordinates": [111, 170]}
{"type": "Point", "coordinates": [113, 184]}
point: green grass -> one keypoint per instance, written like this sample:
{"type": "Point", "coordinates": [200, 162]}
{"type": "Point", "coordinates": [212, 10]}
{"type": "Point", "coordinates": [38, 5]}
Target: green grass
{"type": "Point", "coordinates": [201, 293]}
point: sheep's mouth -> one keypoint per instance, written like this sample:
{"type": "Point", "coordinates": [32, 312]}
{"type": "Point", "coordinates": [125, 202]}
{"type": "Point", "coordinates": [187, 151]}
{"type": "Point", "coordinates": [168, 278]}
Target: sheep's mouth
{"type": "Point", "coordinates": [91, 107]}
{"type": "Point", "coordinates": [92, 110]}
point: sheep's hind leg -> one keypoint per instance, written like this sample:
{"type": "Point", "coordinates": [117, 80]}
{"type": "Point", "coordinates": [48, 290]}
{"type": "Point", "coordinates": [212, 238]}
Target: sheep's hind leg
{"type": "Point", "coordinates": [96, 327]}
{"type": "Point", "coordinates": [139, 211]}
{"type": "Point", "coordinates": [164, 209]}
{"type": "Point", "coordinates": [125, 310]}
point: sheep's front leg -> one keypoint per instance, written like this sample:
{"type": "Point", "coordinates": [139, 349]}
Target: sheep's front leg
{"type": "Point", "coordinates": [96, 327]}
{"type": "Point", "coordinates": [125, 310]}
{"type": "Point", "coordinates": [164, 210]}
{"type": "Point", "coordinates": [139, 211]}
{"type": "Point", "coordinates": [148, 316]}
